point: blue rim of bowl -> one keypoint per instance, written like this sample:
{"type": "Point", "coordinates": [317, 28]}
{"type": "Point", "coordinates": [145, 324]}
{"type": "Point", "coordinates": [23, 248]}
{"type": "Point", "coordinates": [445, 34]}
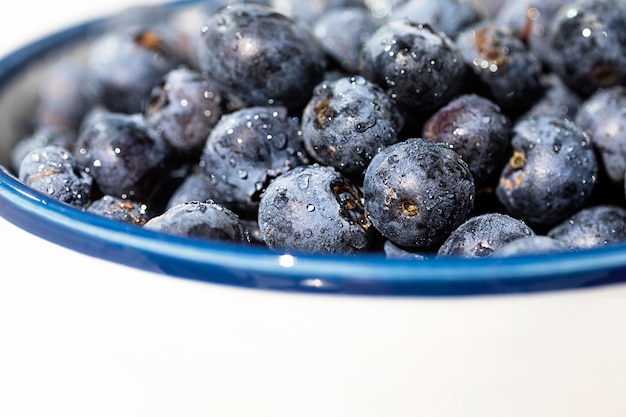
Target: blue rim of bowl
{"type": "Point", "coordinates": [260, 268]}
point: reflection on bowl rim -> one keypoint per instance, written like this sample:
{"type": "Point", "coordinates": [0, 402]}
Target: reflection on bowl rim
{"type": "Point", "coordinates": [257, 267]}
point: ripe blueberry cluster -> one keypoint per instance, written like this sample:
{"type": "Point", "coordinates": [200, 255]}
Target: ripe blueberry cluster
{"type": "Point", "coordinates": [410, 128]}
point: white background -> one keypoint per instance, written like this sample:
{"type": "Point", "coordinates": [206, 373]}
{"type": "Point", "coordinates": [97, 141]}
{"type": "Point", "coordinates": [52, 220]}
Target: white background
{"type": "Point", "coordinates": [82, 337]}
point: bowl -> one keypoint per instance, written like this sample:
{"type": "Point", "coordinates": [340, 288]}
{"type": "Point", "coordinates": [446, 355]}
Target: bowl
{"type": "Point", "coordinates": [165, 326]}
{"type": "Point", "coordinates": [255, 267]}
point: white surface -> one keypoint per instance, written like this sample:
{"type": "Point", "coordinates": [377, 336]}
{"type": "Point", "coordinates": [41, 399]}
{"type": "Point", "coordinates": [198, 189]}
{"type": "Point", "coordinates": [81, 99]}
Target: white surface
{"type": "Point", "coordinates": [83, 337]}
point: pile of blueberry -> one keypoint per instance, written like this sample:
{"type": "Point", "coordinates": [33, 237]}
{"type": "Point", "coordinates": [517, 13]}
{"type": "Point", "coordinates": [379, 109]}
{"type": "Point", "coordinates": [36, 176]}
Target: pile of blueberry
{"type": "Point", "coordinates": [409, 128]}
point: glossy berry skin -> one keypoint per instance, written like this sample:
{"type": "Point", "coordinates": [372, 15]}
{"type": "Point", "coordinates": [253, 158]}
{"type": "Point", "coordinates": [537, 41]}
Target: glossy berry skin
{"type": "Point", "coordinates": [121, 210]}
{"type": "Point", "coordinates": [482, 235]}
{"type": "Point", "coordinates": [531, 245]}
{"type": "Point", "coordinates": [347, 122]}
{"type": "Point", "coordinates": [592, 227]}
{"type": "Point", "coordinates": [588, 45]}
{"type": "Point", "coordinates": [531, 22]}
{"type": "Point", "coordinates": [65, 93]}
{"type": "Point", "coordinates": [476, 128]}
{"type": "Point", "coordinates": [261, 55]}
{"type": "Point", "coordinates": [558, 99]}
{"type": "Point", "coordinates": [393, 251]}
{"type": "Point", "coordinates": [309, 11]}
{"type": "Point", "coordinates": [51, 170]}
{"type": "Point", "coordinates": [419, 67]}
{"type": "Point", "coordinates": [342, 33]}
{"type": "Point", "coordinates": [40, 137]}
{"type": "Point", "coordinates": [184, 107]}
{"type": "Point", "coordinates": [314, 209]}
{"type": "Point", "coordinates": [194, 186]}
{"type": "Point", "coordinates": [201, 220]}
{"type": "Point", "coordinates": [448, 16]}
{"type": "Point", "coordinates": [126, 158]}
{"type": "Point", "coordinates": [417, 192]}
{"type": "Point", "coordinates": [246, 150]}
{"type": "Point", "coordinates": [509, 71]}
{"type": "Point", "coordinates": [551, 173]}
{"type": "Point", "coordinates": [603, 117]}
{"type": "Point", "coordinates": [125, 64]}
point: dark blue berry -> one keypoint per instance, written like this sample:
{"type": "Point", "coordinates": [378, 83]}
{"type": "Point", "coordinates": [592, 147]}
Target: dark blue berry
{"type": "Point", "coordinates": [314, 209]}
{"type": "Point", "coordinates": [476, 128]}
{"type": "Point", "coordinates": [347, 122]}
{"type": "Point", "coordinates": [588, 44]}
{"type": "Point", "coordinates": [194, 186]}
{"type": "Point", "coordinates": [531, 245]}
{"type": "Point", "coordinates": [183, 107]}
{"type": "Point", "coordinates": [448, 16]}
{"type": "Point", "coordinates": [261, 55]}
{"type": "Point", "coordinates": [558, 99]}
{"type": "Point", "coordinates": [551, 173]}
{"type": "Point", "coordinates": [417, 192]}
{"type": "Point", "coordinates": [247, 149]}
{"type": "Point", "coordinates": [119, 209]}
{"type": "Point", "coordinates": [42, 136]}
{"type": "Point", "coordinates": [205, 220]}
{"type": "Point", "coordinates": [419, 67]}
{"type": "Point", "coordinates": [308, 10]}
{"type": "Point", "coordinates": [125, 64]}
{"type": "Point", "coordinates": [125, 157]}
{"type": "Point", "coordinates": [65, 94]}
{"type": "Point", "coordinates": [531, 22]}
{"type": "Point", "coordinates": [500, 61]}
{"type": "Point", "coordinates": [393, 251]}
{"type": "Point", "coordinates": [592, 227]}
{"type": "Point", "coordinates": [342, 33]}
{"type": "Point", "coordinates": [602, 116]}
{"type": "Point", "coordinates": [482, 235]}
{"type": "Point", "coordinates": [52, 170]}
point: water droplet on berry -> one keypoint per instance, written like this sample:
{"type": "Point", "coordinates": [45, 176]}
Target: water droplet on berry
{"type": "Point", "coordinates": [303, 181]}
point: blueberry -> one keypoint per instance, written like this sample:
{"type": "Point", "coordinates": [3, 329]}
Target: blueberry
{"type": "Point", "coordinates": [592, 227]}
{"type": "Point", "coordinates": [64, 94]}
{"type": "Point", "coordinates": [500, 61]}
{"type": "Point", "coordinates": [531, 22]}
{"type": "Point", "coordinates": [531, 245]}
{"type": "Point", "coordinates": [393, 251]}
{"type": "Point", "coordinates": [588, 44]}
{"type": "Point", "coordinates": [482, 235]}
{"type": "Point", "coordinates": [476, 128]}
{"type": "Point", "coordinates": [183, 107]}
{"type": "Point", "coordinates": [309, 11]}
{"type": "Point", "coordinates": [342, 33]}
{"type": "Point", "coordinates": [602, 116]}
{"type": "Point", "coordinates": [347, 122]}
{"type": "Point", "coordinates": [551, 173]}
{"type": "Point", "coordinates": [419, 67]}
{"type": "Point", "coordinates": [314, 209]}
{"type": "Point", "coordinates": [42, 136]}
{"type": "Point", "coordinates": [417, 192]}
{"type": "Point", "coordinates": [126, 158]}
{"type": "Point", "coordinates": [125, 64]}
{"type": "Point", "coordinates": [119, 209]}
{"type": "Point", "coordinates": [558, 99]}
{"type": "Point", "coordinates": [448, 16]}
{"type": "Point", "coordinates": [195, 186]}
{"type": "Point", "coordinates": [246, 150]}
{"type": "Point", "coordinates": [261, 55]}
{"type": "Point", "coordinates": [201, 220]}
{"type": "Point", "coordinates": [51, 170]}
